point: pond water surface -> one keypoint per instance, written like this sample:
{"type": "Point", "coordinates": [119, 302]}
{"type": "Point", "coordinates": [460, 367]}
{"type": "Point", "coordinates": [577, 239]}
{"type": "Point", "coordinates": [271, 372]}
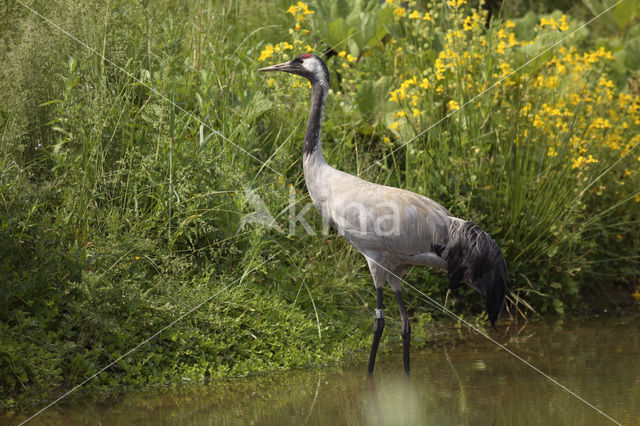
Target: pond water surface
{"type": "Point", "coordinates": [468, 383]}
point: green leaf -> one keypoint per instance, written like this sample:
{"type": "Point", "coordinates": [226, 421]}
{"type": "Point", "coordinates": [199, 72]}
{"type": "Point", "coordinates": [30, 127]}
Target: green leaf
{"type": "Point", "coordinates": [618, 17]}
{"type": "Point", "coordinates": [366, 99]}
{"type": "Point", "coordinates": [624, 12]}
{"type": "Point", "coordinates": [339, 34]}
{"type": "Point", "coordinates": [632, 53]}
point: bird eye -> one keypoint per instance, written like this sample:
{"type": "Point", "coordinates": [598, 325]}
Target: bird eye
{"type": "Point", "coordinates": [298, 60]}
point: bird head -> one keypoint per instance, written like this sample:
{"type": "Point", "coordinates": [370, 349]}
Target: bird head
{"type": "Point", "coordinates": [308, 66]}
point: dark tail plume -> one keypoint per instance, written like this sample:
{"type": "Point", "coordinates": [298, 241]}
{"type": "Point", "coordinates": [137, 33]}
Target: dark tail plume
{"type": "Point", "coordinates": [474, 257]}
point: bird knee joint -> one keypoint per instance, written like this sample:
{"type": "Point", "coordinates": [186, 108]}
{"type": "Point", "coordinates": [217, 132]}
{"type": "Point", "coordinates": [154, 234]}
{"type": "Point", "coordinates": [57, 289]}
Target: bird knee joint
{"type": "Point", "coordinates": [406, 329]}
{"type": "Point", "coordinates": [379, 314]}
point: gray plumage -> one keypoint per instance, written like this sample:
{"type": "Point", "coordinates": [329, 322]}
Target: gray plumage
{"type": "Point", "coordinates": [393, 228]}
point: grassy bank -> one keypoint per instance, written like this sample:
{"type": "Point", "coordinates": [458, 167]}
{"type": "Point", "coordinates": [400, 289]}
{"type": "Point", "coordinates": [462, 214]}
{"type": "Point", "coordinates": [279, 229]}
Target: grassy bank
{"type": "Point", "coordinates": [125, 166]}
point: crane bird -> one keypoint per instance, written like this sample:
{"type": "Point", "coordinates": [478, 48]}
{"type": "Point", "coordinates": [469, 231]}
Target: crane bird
{"type": "Point", "coordinates": [393, 228]}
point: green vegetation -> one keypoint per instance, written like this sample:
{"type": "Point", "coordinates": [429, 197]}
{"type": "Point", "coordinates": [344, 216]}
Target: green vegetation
{"type": "Point", "coordinates": [120, 211]}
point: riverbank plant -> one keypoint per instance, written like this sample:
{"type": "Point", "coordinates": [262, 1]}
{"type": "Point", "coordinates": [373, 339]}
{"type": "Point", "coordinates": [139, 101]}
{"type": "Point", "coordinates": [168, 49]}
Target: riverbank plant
{"type": "Point", "coordinates": [129, 164]}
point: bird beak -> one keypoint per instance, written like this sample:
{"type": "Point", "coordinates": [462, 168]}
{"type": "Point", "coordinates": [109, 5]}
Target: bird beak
{"type": "Point", "coordinates": [285, 66]}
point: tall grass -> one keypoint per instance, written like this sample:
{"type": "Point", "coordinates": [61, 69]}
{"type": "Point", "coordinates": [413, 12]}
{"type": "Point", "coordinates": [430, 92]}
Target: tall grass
{"type": "Point", "coordinates": [121, 211]}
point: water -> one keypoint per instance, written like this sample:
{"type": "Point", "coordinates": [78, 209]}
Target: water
{"type": "Point", "coordinates": [472, 383]}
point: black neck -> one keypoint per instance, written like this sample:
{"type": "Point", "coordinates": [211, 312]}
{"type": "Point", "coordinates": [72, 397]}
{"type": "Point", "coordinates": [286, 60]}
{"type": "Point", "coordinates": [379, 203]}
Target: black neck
{"type": "Point", "coordinates": [314, 124]}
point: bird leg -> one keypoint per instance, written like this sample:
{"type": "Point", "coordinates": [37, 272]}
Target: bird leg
{"type": "Point", "coordinates": [405, 332]}
{"type": "Point", "coordinates": [378, 326]}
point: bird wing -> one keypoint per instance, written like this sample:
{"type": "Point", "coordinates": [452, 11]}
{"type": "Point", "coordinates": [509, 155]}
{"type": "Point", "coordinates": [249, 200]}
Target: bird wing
{"type": "Point", "coordinates": [378, 218]}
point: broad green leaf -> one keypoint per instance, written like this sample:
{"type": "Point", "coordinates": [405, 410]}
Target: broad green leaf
{"type": "Point", "coordinates": [339, 32]}
{"type": "Point", "coordinates": [624, 13]}
{"type": "Point", "coordinates": [618, 17]}
{"type": "Point", "coordinates": [632, 53]}
{"type": "Point", "coordinates": [366, 99]}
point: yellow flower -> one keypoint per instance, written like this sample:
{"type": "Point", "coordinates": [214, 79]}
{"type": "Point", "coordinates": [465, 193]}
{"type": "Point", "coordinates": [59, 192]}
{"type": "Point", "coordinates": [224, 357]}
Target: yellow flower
{"type": "Point", "coordinates": [624, 99]}
{"type": "Point", "coordinates": [467, 24]}
{"type": "Point", "coordinates": [575, 99]}
{"type": "Point", "coordinates": [581, 160]}
{"type": "Point", "coordinates": [389, 1]}
{"type": "Point", "coordinates": [551, 82]}
{"type": "Point", "coordinates": [551, 152]}
{"type": "Point", "coordinates": [287, 46]}
{"type": "Point", "coordinates": [308, 48]}
{"type": "Point", "coordinates": [451, 37]}
{"type": "Point", "coordinates": [399, 11]}
{"type": "Point", "coordinates": [351, 58]}
{"type": "Point", "coordinates": [538, 122]}
{"type": "Point", "coordinates": [425, 83]}
{"type": "Point", "coordinates": [414, 15]}
{"type": "Point", "coordinates": [342, 54]}
{"type": "Point", "coordinates": [298, 27]}
{"type": "Point", "coordinates": [386, 140]}
{"type": "Point", "coordinates": [409, 82]}
{"type": "Point", "coordinates": [509, 24]}
{"type": "Point", "coordinates": [563, 23]}
{"type": "Point", "coordinates": [606, 83]}
{"type": "Point", "coordinates": [453, 105]}
{"type": "Point", "coordinates": [299, 11]}
{"type": "Point", "coordinates": [304, 8]}
{"type": "Point", "coordinates": [577, 162]}
{"type": "Point", "coordinates": [601, 123]}
{"type": "Point", "coordinates": [427, 17]}
{"type": "Point", "coordinates": [440, 68]}
{"type": "Point", "coordinates": [550, 22]}
{"type": "Point", "coordinates": [456, 3]}
{"type": "Point", "coordinates": [505, 67]}
{"type": "Point", "coordinates": [416, 112]}
{"type": "Point", "coordinates": [266, 53]}
{"type": "Point", "coordinates": [394, 126]}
